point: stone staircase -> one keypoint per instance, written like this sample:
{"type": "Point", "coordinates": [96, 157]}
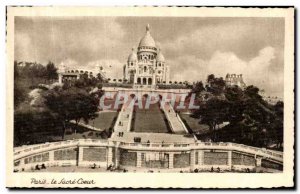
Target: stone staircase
{"type": "Point", "coordinates": [174, 119]}
{"type": "Point", "coordinates": [123, 122]}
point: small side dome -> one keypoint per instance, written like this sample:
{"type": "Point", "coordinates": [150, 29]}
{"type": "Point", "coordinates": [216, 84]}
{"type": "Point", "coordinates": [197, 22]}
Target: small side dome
{"type": "Point", "coordinates": [160, 57]}
{"type": "Point", "coordinates": [132, 56]}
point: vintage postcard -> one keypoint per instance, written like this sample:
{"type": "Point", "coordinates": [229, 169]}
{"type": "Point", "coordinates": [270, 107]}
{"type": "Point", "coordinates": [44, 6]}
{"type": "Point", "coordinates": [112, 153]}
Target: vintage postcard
{"type": "Point", "coordinates": [150, 97]}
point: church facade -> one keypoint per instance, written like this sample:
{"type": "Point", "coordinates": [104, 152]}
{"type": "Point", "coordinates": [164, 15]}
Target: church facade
{"type": "Point", "coordinates": [146, 66]}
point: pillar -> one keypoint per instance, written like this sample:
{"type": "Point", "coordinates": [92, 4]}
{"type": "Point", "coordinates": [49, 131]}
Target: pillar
{"type": "Point", "coordinates": [139, 159]}
{"type": "Point", "coordinates": [117, 157]}
{"type": "Point", "coordinates": [192, 159]}
{"type": "Point", "coordinates": [171, 160]}
{"type": "Point", "coordinates": [21, 165]}
{"type": "Point", "coordinates": [258, 161]}
{"type": "Point", "coordinates": [80, 156]}
{"type": "Point", "coordinates": [135, 78]}
{"type": "Point", "coordinates": [51, 158]}
{"type": "Point", "coordinates": [109, 156]}
{"type": "Point", "coordinates": [60, 78]}
{"type": "Point", "coordinates": [200, 157]}
{"type": "Point", "coordinates": [229, 163]}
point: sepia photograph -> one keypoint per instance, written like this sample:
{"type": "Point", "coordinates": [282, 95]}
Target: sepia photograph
{"type": "Point", "coordinates": [99, 95]}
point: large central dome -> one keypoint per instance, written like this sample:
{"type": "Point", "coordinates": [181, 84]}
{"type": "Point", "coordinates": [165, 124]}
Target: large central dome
{"type": "Point", "coordinates": [147, 40]}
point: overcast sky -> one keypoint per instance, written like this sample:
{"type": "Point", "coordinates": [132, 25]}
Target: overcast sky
{"type": "Point", "coordinates": [193, 47]}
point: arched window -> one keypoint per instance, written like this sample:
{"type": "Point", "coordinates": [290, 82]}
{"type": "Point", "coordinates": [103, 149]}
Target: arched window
{"type": "Point", "coordinates": [145, 69]}
{"type": "Point", "coordinates": [149, 81]}
{"type": "Point", "coordinates": [144, 81]}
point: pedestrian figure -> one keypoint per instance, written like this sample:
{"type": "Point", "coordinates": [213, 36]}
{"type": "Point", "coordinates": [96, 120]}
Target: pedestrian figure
{"type": "Point", "coordinates": [37, 167]}
{"type": "Point", "coordinates": [43, 166]}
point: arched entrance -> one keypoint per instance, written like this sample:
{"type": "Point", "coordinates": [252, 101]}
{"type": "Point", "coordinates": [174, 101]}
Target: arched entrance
{"type": "Point", "coordinates": [145, 96]}
{"type": "Point", "coordinates": [132, 96]}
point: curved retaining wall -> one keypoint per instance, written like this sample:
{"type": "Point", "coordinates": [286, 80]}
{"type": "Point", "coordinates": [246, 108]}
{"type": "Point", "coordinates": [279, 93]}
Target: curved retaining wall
{"type": "Point", "coordinates": [201, 155]}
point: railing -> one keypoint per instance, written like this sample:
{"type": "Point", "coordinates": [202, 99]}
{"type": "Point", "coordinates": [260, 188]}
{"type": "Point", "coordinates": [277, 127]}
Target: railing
{"type": "Point", "coordinates": [207, 145]}
{"type": "Point", "coordinates": [87, 126]}
{"type": "Point", "coordinates": [119, 89]}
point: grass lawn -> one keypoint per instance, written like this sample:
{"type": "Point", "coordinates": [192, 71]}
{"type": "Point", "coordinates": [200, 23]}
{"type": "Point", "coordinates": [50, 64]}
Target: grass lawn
{"type": "Point", "coordinates": [105, 120]}
{"type": "Point", "coordinates": [193, 124]}
{"type": "Point", "coordinates": [150, 120]}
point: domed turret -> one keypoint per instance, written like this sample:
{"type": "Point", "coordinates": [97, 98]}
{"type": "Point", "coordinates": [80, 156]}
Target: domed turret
{"type": "Point", "coordinates": [160, 57]}
{"type": "Point", "coordinates": [147, 40]}
{"type": "Point", "coordinates": [132, 56]}
{"type": "Point", "coordinates": [147, 43]}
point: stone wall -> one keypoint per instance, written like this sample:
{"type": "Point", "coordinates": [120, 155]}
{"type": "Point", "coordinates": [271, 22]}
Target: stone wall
{"type": "Point", "coordinates": [242, 159]}
{"type": "Point", "coordinates": [94, 154]}
{"type": "Point", "coordinates": [270, 164]}
{"type": "Point", "coordinates": [66, 154]}
{"type": "Point", "coordinates": [181, 160]}
{"type": "Point", "coordinates": [215, 158]}
{"type": "Point", "coordinates": [128, 158]}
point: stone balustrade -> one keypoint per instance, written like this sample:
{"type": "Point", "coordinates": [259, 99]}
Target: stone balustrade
{"type": "Point", "coordinates": [200, 154]}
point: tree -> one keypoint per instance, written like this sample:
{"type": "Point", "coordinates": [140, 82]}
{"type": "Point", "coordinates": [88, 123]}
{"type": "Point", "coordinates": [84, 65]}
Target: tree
{"type": "Point", "coordinates": [30, 125]}
{"type": "Point", "coordinates": [51, 71]}
{"type": "Point", "coordinates": [215, 85]}
{"type": "Point", "coordinates": [213, 113]}
{"type": "Point", "coordinates": [210, 78]}
{"type": "Point", "coordinates": [198, 88]}
{"type": "Point", "coordinates": [277, 124]}
{"type": "Point", "coordinates": [99, 77]}
{"type": "Point", "coordinates": [19, 91]}
{"type": "Point", "coordinates": [236, 102]}
{"type": "Point", "coordinates": [71, 104]}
